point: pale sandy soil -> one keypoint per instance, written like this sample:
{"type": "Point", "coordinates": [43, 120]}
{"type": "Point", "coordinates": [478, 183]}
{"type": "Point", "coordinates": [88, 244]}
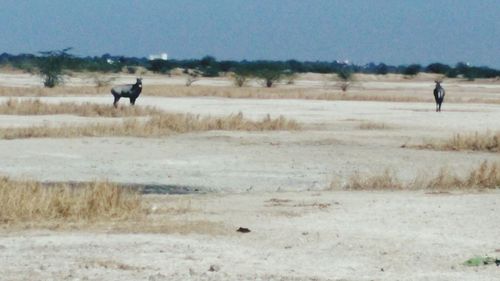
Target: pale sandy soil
{"type": "Point", "coordinates": [331, 145]}
{"type": "Point", "coordinates": [316, 235]}
{"type": "Point", "coordinates": [294, 236]}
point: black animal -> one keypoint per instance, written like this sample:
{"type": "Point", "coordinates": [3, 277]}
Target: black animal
{"type": "Point", "coordinates": [131, 91]}
{"type": "Point", "coordinates": [438, 95]}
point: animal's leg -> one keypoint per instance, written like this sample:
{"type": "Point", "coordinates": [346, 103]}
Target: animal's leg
{"type": "Point", "coordinates": [132, 101]}
{"type": "Point", "coordinates": [117, 98]}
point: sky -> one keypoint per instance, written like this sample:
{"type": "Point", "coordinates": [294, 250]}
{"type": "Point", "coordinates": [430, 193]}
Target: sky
{"type": "Point", "coordinates": [361, 31]}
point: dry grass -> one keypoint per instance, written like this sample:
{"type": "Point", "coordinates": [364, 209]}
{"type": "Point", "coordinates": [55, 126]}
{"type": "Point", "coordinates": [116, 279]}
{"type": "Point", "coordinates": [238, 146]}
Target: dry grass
{"type": "Point", "coordinates": [98, 206]}
{"type": "Point", "coordinates": [307, 86]}
{"type": "Point", "coordinates": [485, 176]}
{"type": "Point", "coordinates": [36, 107]}
{"type": "Point", "coordinates": [386, 180]}
{"type": "Point", "coordinates": [156, 126]}
{"type": "Point", "coordinates": [96, 201]}
{"type": "Point", "coordinates": [477, 142]}
{"type": "Point", "coordinates": [226, 92]}
{"type": "Point", "coordinates": [373, 126]}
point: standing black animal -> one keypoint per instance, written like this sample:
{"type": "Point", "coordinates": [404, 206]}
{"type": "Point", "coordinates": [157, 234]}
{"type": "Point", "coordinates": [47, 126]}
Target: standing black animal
{"type": "Point", "coordinates": [438, 95]}
{"type": "Point", "coordinates": [131, 91]}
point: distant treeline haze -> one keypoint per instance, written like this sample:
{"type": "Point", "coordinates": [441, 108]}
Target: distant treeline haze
{"type": "Point", "coordinates": [209, 66]}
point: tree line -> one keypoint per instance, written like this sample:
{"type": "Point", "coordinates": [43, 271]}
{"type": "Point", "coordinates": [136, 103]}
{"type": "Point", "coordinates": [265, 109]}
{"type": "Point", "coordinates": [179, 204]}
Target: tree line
{"type": "Point", "coordinates": [51, 64]}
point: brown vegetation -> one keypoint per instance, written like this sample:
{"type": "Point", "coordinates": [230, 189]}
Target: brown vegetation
{"type": "Point", "coordinates": [373, 126]}
{"type": "Point", "coordinates": [36, 107]}
{"type": "Point", "coordinates": [225, 92]}
{"type": "Point", "coordinates": [96, 201]}
{"type": "Point", "coordinates": [476, 142]}
{"type": "Point", "coordinates": [157, 125]}
{"type": "Point", "coordinates": [485, 176]}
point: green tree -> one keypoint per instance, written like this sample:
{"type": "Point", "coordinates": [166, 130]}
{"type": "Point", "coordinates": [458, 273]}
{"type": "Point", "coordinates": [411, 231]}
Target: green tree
{"type": "Point", "coordinates": [51, 66]}
{"type": "Point", "coordinates": [269, 76]}
{"type": "Point", "coordinates": [412, 69]}
{"type": "Point", "coordinates": [346, 75]}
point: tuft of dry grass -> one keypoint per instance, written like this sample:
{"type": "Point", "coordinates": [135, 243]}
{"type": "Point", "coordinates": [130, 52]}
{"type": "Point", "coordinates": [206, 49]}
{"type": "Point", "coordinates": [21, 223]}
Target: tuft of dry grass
{"type": "Point", "coordinates": [386, 180]}
{"type": "Point", "coordinates": [485, 176]}
{"type": "Point", "coordinates": [157, 125]}
{"type": "Point", "coordinates": [477, 142]}
{"type": "Point", "coordinates": [95, 201]}
{"type": "Point", "coordinates": [373, 126]}
{"type": "Point", "coordinates": [37, 107]}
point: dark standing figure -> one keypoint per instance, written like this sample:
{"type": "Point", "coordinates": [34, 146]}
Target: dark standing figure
{"type": "Point", "coordinates": [131, 91]}
{"type": "Point", "coordinates": [438, 95]}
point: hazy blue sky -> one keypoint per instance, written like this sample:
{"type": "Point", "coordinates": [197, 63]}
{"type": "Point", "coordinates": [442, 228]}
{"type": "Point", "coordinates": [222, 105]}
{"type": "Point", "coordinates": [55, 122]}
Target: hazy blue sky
{"type": "Point", "coordinates": [391, 31]}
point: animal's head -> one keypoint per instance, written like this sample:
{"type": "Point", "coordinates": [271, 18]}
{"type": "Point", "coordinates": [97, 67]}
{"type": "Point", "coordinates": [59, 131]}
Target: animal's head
{"type": "Point", "coordinates": [438, 82]}
{"type": "Point", "coordinates": [139, 82]}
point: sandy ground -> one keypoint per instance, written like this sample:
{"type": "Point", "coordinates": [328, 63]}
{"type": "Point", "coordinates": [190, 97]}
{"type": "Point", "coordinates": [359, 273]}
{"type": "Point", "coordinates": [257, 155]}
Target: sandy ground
{"type": "Point", "coordinates": [271, 182]}
{"type": "Point", "coordinates": [294, 236]}
{"type": "Point", "coordinates": [331, 145]}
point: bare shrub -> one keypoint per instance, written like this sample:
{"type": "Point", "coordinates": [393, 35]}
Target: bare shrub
{"type": "Point", "coordinates": [240, 78]}
{"type": "Point", "coordinates": [102, 81]}
{"type": "Point", "coordinates": [477, 142]}
{"type": "Point", "coordinates": [31, 201]}
{"type": "Point", "coordinates": [192, 76]}
{"type": "Point", "coordinates": [157, 125]}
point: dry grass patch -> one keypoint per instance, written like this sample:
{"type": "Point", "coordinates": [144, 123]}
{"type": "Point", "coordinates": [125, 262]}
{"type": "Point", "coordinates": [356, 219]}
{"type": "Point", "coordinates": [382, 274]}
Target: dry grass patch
{"type": "Point", "coordinates": [36, 107]}
{"type": "Point", "coordinates": [23, 201]}
{"type": "Point", "coordinates": [476, 142]}
{"type": "Point", "coordinates": [51, 92]}
{"type": "Point", "coordinates": [485, 176]}
{"type": "Point", "coordinates": [374, 126]}
{"type": "Point", "coordinates": [386, 180]}
{"type": "Point", "coordinates": [158, 125]}
{"type": "Point", "coordinates": [96, 206]}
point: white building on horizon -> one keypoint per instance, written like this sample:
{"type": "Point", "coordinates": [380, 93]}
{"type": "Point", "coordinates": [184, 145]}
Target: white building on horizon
{"type": "Point", "coordinates": [161, 56]}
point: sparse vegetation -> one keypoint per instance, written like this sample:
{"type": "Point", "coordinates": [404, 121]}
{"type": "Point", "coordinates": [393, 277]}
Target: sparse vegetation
{"type": "Point", "coordinates": [191, 77]}
{"type": "Point", "coordinates": [156, 126]}
{"type": "Point", "coordinates": [386, 180]}
{"type": "Point", "coordinates": [102, 81]}
{"type": "Point", "coordinates": [476, 142]}
{"type": "Point", "coordinates": [240, 78]}
{"type": "Point", "coordinates": [96, 201]}
{"type": "Point", "coordinates": [373, 126]}
{"type": "Point", "coordinates": [485, 176]}
{"type": "Point", "coordinates": [37, 107]}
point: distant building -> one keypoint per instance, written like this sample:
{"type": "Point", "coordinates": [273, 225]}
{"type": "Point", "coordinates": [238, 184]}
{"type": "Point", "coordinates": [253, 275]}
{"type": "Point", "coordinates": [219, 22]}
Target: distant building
{"type": "Point", "coordinates": [162, 56]}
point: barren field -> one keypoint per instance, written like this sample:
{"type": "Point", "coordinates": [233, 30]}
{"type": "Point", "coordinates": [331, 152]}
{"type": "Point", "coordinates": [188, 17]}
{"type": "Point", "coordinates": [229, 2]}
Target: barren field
{"type": "Point", "coordinates": [287, 185]}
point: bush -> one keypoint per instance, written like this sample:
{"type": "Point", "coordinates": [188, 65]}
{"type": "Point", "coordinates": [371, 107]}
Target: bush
{"type": "Point", "coordinates": [269, 76]}
{"type": "Point", "coordinates": [51, 66]}
{"type": "Point", "coordinates": [345, 75]}
{"type": "Point", "coordinates": [412, 69]}
{"type": "Point", "coordinates": [381, 69]}
{"type": "Point", "coordinates": [240, 78]}
{"type": "Point", "coordinates": [438, 68]}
